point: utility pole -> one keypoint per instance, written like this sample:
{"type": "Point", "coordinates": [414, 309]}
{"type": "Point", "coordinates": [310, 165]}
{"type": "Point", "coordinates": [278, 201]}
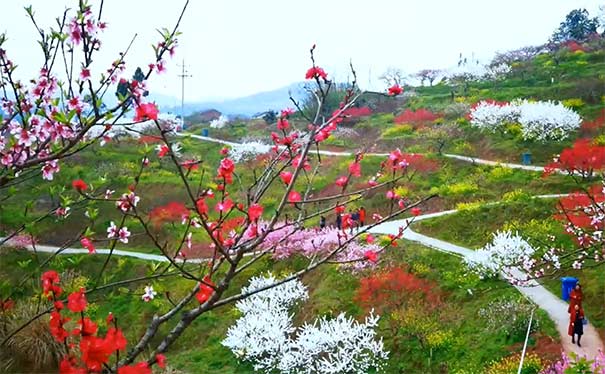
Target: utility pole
{"type": "Point", "coordinates": [183, 75]}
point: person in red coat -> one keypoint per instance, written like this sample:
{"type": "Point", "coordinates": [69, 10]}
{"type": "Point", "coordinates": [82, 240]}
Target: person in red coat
{"type": "Point", "coordinates": [576, 324]}
{"type": "Point", "coordinates": [362, 216]}
{"type": "Point", "coordinates": [575, 298]}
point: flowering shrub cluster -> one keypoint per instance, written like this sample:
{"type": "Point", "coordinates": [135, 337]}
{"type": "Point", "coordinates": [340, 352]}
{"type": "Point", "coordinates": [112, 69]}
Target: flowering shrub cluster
{"type": "Point", "coordinates": [88, 350]}
{"type": "Point", "coordinates": [509, 316]}
{"type": "Point", "coordinates": [584, 158]}
{"type": "Point", "coordinates": [577, 365]}
{"type": "Point", "coordinates": [265, 335]}
{"type": "Point", "coordinates": [287, 240]}
{"type": "Point", "coordinates": [416, 117]}
{"type": "Point", "coordinates": [542, 120]}
{"type": "Point", "coordinates": [500, 257]}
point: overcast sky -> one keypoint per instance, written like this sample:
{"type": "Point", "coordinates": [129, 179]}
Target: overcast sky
{"type": "Point", "coordinates": [235, 48]}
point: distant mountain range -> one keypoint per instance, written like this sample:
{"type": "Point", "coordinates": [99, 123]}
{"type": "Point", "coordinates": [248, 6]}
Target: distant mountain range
{"type": "Point", "coordinates": [245, 106]}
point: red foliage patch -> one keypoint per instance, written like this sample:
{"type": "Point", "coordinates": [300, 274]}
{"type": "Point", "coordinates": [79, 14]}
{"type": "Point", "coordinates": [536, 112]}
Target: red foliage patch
{"type": "Point", "coordinates": [584, 158]}
{"type": "Point", "coordinates": [596, 124]}
{"type": "Point", "coordinates": [395, 287]}
{"type": "Point", "coordinates": [171, 212]}
{"type": "Point", "coordinates": [420, 116]}
{"type": "Point", "coordinates": [574, 46]}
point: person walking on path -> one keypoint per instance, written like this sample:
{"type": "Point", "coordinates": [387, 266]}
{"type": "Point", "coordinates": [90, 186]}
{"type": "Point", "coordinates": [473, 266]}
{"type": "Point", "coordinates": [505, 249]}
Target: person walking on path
{"type": "Point", "coordinates": [575, 298]}
{"type": "Point", "coordinates": [576, 324]}
{"type": "Point", "coordinates": [362, 216]}
{"type": "Point", "coordinates": [322, 222]}
{"type": "Point", "coordinates": [338, 221]}
{"type": "Point", "coordinates": [354, 221]}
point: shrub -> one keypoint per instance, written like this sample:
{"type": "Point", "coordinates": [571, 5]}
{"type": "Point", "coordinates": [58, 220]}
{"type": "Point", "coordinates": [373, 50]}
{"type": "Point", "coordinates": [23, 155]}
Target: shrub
{"type": "Point", "coordinates": [470, 206]}
{"type": "Point", "coordinates": [459, 189]}
{"type": "Point", "coordinates": [574, 103]}
{"type": "Point", "coordinates": [420, 116]}
{"type": "Point", "coordinates": [509, 316]}
{"type": "Point", "coordinates": [532, 364]}
{"type": "Point", "coordinates": [516, 195]}
{"type": "Point", "coordinates": [500, 173]}
{"type": "Point", "coordinates": [397, 131]}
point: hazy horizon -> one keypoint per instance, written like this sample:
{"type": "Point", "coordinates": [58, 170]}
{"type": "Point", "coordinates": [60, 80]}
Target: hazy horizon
{"type": "Point", "coordinates": [237, 48]}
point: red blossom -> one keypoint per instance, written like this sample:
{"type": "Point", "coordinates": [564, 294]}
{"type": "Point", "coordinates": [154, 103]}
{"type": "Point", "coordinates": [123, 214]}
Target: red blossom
{"type": "Point", "coordinates": [206, 290]}
{"type": "Point", "coordinates": [355, 169]}
{"type": "Point", "coordinates": [224, 206]}
{"type": "Point", "coordinates": [202, 207]}
{"type": "Point", "coordinates": [79, 185]}
{"type": "Point", "coordinates": [316, 72]}
{"type": "Point", "coordinates": [140, 368]}
{"type": "Point", "coordinates": [161, 359]}
{"type": "Point", "coordinates": [282, 124]}
{"type": "Point", "coordinates": [415, 211]}
{"type": "Point", "coordinates": [49, 283]}
{"type": "Point", "coordinates": [371, 256]}
{"type": "Point", "coordinates": [395, 90]}
{"type": "Point", "coordinates": [56, 324]}
{"type": "Point", "coordinates": [87, 243]}
{"type": "Point", "coordinates": [342, 181]}
{"type": "Point", "coordinates": [370, 239]}
{"type": "Point", "coordinates": [6, 305]}
{"type": "Point", "coordinates": [146, 111]}
{"type": "Point", "coordinates": [76, 301]}
{"type": "Point", "coordinates": [294, 197]}
{"type": "Point", "coordinates": [254, 212]}
{"type": "Point", "coordinates": [286, 177]}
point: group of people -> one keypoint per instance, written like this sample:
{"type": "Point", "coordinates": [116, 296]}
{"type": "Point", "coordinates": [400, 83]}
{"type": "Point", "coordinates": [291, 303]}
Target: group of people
{"type": "Point", "coordinates": [354, 219]}
{"type": "Point", "coordinates": [576, 314]}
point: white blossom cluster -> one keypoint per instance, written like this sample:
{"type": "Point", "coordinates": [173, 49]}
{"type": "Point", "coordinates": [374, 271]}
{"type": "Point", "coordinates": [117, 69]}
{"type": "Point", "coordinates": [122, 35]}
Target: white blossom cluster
{"type": "Point", "coordinates": [220, 122]}
{"type": "Point", "coordinates": [246, 151]}
{"type": "Point", "coordinates": [265, 335]}
{"type": "Point", "coordinates": [506, 252]}
{"type": "Point", "coordinates": [541, 120]}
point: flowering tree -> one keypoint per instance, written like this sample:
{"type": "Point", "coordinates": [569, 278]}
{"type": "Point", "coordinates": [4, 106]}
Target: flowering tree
{"type": "Point", "coordinates": [502, 256]}
{"type": "Point", "coordinates": [266, 336]}
{"type": "Point", "coordinates": [542, 120]}
{"type": "Point", "coordinates": [51, 119]}
{"type": "Point", "coordinates": [583, 159]}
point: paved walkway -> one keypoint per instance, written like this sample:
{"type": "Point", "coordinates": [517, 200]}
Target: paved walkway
{"type": "Point", "coordinates": [349, 154]}
{"type": "Point", "coordinates": [546, 300]}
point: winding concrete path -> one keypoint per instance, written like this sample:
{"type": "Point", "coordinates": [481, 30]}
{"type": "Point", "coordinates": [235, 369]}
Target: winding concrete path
{"type": "Point", "coordinates": [472, 160]}
{"type": "Point", "coordinates": [546, 300]}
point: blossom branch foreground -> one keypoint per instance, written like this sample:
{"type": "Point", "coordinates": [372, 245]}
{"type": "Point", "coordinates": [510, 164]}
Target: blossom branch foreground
{"type": "Point", "coordinates": [51, 120]}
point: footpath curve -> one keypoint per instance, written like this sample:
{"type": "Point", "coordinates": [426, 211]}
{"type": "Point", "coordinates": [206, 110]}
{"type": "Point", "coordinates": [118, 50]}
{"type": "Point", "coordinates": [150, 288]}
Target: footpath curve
{"type": "Point", "coordinates": [543, 298]}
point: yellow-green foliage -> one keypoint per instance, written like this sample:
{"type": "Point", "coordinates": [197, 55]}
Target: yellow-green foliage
{"type": "Point", "coordinates": [532, 364]}
{"type": "Point", "coordinates": [574, 103]}
{"type": "Point", "coordinates": [440, 339]}
{"type": "Point", "coordinates": [500, 173]}
{"type": "Point", "coordinates": [397, 131]}
{"type": "Point", "coordinates": [463, 148]}
{"type": "Point", "coordinates": [514, 129]}
{"type": "Point", "coordinates": [420, 268]}
{"type": "Point", "coordinates": [402, 191]}
{"type": "Point", "coordinates": [516, 195]}
{"type": "Point", "coordinates": [599, 140]}
{"type": "Point", "coordinates": [459, 189]}
{"type": "Point", "coordinates": [469, 206]}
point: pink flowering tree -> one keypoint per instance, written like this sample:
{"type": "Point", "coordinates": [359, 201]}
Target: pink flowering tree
{"type": "Point", "coordinates": [52, 117]}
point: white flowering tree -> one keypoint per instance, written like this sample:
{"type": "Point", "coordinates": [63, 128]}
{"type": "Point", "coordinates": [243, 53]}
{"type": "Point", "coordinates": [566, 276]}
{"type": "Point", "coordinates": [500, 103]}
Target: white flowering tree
{"type": "Point", "coordinates": [265, 334]}
{"type": "Point", "coordinates": [503, 256]}
{"type": "Point", "coordinates": [541, 120]}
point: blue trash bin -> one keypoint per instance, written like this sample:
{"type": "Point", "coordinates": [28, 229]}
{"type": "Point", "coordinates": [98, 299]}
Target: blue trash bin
{"type": "Point", "coordinates": [567, 284]}
{"type": "Point", "coordinates": [204, 132]}
{"type": "Point", "coordinates": [526, 158]}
